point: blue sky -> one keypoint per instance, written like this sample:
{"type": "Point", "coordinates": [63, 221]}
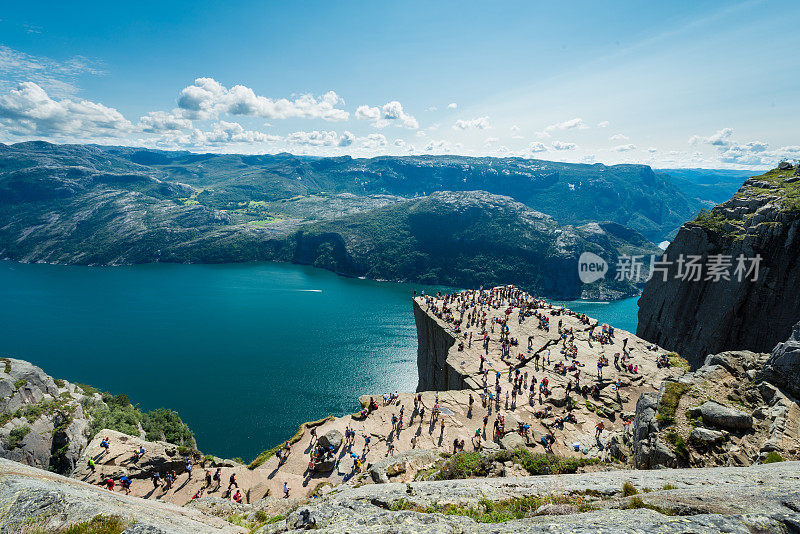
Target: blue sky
{"type": "Point", "coordinates": [680, 84]}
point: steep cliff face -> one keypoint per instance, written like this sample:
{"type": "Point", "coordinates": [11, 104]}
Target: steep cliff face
{"type": "Point", "coordinates": [433, 347]}
{"type": "Point", "coordinates": [749, 310]}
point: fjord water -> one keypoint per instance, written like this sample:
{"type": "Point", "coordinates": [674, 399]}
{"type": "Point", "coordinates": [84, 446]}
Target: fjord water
{"type": "Point", "coordinates": [244, 352]}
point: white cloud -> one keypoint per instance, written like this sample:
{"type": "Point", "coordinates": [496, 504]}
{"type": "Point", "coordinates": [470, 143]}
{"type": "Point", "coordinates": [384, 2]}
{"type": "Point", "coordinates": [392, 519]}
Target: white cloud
{"type": "Point", "coordinates": [479, 123]}
{"type": "Point", "coordinates": [452, 105]}
{"type": "Point", "coordinates": [515, 128]}
{"type": "Point", "coordinates": [490, 141]}
{"type": "Point", "coordinates": [160, 121]}
{"type": "Point", "coordinates": [652, 150]}
{"type": "Point", "coordinates": [560, 145]}
{"type": "Point", "coordinates": [55, 77]}
{"type": "Point", "coordinates": [719, 138]}
{"type": "Point", "coordinates": [440, 146]}
{"type": "Point", "coordinates": [233, 132]}
{"type": "Point", "coordinates": [537, 147]}
{"type": "Point", "coordinates": [391, 113]}
{"type": "Point", "coordinates": [624, 148]}
{"type": "Point", "coordinates": [314, 138]}
{"type": "Point", "coordinates": [619, 137]}
{"type": "Point", "coordinates": [207, 98]}
{"type": "Point", "coordinates": [29, 110]}
{"type": "Point", "coordinates": [603, 124]}
{"type": "Point", "coordinates": [373, 141]}
{"type": "Point", "coordinates": [572, 124]}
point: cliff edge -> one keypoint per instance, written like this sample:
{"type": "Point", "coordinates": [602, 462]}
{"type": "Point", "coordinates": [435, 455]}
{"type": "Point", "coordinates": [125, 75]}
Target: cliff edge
{"type": "Point", "coordinates": [730, 278]}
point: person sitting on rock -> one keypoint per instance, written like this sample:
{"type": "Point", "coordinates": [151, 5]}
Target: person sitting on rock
{"type": "Point", "coordinates": [237, 496]}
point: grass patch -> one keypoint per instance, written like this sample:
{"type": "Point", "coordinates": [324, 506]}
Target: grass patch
{"type": "Point", "coordinates": [773, 457]}
{"type": "Point", "coordinates": [495, 511]}
{"type": "Point", "coordinates": [472, 464]}
{"type": "Point", "coordinates": [16, 436]}
{"type": "Point", "coordinates": [59, 383]}
{"type": "Point", "coordinates": [266, 455]}
{"type": "Point", "coordinates": [7, 363]}
{"type": "Point", "coordinates": [712, 220]}
{"type": "Point", "coordinates": [637, 502]}
{"type": "Point", "coordinates": [20, 383]}
{"type": "Point", "coordinates": [101, 524]}
{"type": "Point", "coordinates": [673, 391]}
{"type": "Point", "coordinates": [668, 487]}
{"type": "Point", "coordinates": [629, 489]}
{"type": "Point", "coordinates": [675, 360]}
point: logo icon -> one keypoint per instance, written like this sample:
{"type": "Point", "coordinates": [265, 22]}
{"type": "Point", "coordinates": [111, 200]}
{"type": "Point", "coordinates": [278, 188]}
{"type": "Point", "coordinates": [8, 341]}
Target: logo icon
{"type": "Point", "coordinates": [591, 267]}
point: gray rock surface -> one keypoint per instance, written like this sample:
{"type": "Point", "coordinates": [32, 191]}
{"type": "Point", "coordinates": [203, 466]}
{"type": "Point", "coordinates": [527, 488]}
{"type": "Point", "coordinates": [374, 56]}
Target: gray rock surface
{"type": "Point", "coordinates": [332, 438]}
{"type": "Point", "coordinates": [32, 498]}
{"type": "Point", "coordinates": [649, 450]}
{"type": "Point", "coordinates": [736, 500]}
{"type": "Point", "coordinates": [512, 441]}
{"type": "Point", "coordinates": [51, 410]}
{"type": "Point", "coordinates": [705, 436]}
{"type": "Point", "coordinates": [722, 416]}
{"type": "Point", "coordinates": [409, 462]}
{"type": "Point", "coordinates": [697, 318]}
{"type": "Point", "coordinates": [783, 366]}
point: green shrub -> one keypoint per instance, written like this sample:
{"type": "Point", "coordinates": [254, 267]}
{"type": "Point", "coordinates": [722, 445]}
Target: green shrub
{"type": "Point", "coordinates": [16, 436]}
{"type": "Point", "coordinates": [544, 464]}
{"type": "Point", "coordinates": [59, 383]}
{"type": "Point", "coordinates": [463, 465]}
{"type": "Point", "coordinates": [773, 457]}
{"type": "Point", "coordinates": [7, 363]}
{"type": "Point", "coordinates": [679, 443]}
{"type": "Point", "coordinates": [673, 391]}
{"type": "Point", "coordinates": [629, 489]}
{"type": "Point", "coordinates": [166, 425]}
{"type": "Point", "coordinates": [20, 383]}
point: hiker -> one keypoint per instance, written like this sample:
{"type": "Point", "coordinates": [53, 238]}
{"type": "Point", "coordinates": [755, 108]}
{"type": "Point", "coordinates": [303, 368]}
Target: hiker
{"type": "Point", "coordinates": [238, 496]}
{"type": "Point", "coordinates": [232, 481]}
{"type": "Point", "coordinates": [110, 484]}
{"type": "Point", "coordinates": [285, 490]}
{"type": "Point", "coordinates": [156, 479]}
{"type": "Point", "coordinates": [105, 444]}
{"type": "Point", "coordinates": [189, 468]}
{"type": "Point", "coordinates": [599, 429]}
{"type": "Point", "coordinates": [218, 477]}
{"type": "Point", "coordinates": [208, 479]}
{"type": "Point", "coordinates": [126, 485]}
{"type": "Point", "coordinates": [92, 465]}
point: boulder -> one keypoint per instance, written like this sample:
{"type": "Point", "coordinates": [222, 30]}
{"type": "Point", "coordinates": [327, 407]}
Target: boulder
{"type": "Point", "coordinates": [721, 416]}
{"type": "Point", "coordinates": [706, 436]}
{"type": "Point", "coordinates": [332, 438]}
{"type": "Point", "coordinates": [406, 462]}
{"type": "Point", "coordinates": [302, 519]}
{"type": "Point", "coordinates": [649, 450]}
{"type": "Point", "coordinates": [326, 465]}
{"type": "Point", "coordinates": [512, 441]}
{"type": "Point", "coordinates": [784, 166]}
{"type": "Point", "coordinates": [783, 366]}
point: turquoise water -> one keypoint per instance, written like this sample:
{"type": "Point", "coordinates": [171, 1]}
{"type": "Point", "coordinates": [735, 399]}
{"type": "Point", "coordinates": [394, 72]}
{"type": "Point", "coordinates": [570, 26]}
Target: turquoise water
{"type": "Point", "coordinates": [622, 314]}
{"type": "Point", "coordinates": [245, 353]}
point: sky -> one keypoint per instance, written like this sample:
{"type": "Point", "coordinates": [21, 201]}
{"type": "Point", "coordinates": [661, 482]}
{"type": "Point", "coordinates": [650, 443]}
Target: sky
{"type": "Point", "coordinates": [671, 84]}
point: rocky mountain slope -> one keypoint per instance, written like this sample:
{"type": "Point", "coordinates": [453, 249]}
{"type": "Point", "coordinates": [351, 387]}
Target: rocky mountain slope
{"type": "Point", "coordinates": [47, 423]}
{"type": "Point", "coordinates": [107, 205]}
{"type": "Point", "coordinates": [741, 310]}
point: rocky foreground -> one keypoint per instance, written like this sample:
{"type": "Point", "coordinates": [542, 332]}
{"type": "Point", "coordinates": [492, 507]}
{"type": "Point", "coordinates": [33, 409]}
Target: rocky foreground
{"type": "Point", "coordinates": [755, 499]}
